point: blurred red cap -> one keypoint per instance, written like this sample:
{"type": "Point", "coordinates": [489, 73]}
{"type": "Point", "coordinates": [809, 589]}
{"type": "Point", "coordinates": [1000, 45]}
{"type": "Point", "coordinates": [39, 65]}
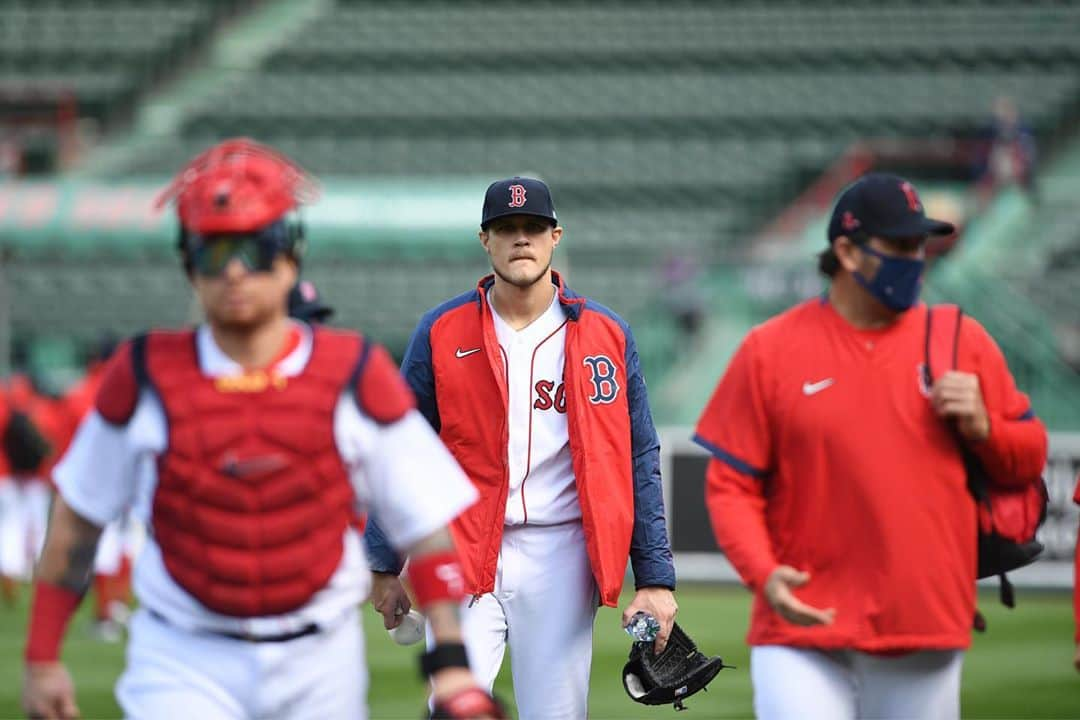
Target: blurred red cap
{"type": "Point", "coordinates": [238, 185]}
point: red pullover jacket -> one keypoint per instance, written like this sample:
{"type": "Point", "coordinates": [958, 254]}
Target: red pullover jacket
{"type": "Point", "coordinates": [828, 456]}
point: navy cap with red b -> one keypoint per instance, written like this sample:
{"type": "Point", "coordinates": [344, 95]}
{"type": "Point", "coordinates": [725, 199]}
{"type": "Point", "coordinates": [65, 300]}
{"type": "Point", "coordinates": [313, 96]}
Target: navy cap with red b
{"type": "Point", "coordinates": [517, 196]}
{"type": "Point", "coordinates": [885, 206]}
{"type": "Point", "coordinates": [306, 304]}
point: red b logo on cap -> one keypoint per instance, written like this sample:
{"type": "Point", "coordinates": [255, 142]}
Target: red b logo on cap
{"type": "Point", "coordinates": [912, 198]}
{"type": "Point", "coordinates": [517, 196]}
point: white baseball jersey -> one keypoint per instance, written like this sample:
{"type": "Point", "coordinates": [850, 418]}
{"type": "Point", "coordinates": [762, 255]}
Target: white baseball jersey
{"type": "Point", "coordinates": [401, 470]}
{"type": "Point", "coordinates": [543, 568]}
{"type": "Point", "coordinates": [542, 485]}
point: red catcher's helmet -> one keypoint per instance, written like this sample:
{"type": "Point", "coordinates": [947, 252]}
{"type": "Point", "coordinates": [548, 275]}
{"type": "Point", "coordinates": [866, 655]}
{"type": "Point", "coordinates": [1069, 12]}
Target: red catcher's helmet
{"type": "Point", "coordinates": [237, 186]}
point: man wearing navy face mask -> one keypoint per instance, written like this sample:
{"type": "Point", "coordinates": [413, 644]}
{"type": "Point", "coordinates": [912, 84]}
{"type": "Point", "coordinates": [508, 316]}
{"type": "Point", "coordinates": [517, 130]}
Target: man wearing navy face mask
{"type": "Point", "coordinates": [837, 487]}
{"type": "Point", "coordinates": [878, 234]}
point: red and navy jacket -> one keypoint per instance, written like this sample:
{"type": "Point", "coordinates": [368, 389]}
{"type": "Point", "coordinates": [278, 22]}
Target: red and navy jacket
{"type": "Point", "coordinates": [613, 444]}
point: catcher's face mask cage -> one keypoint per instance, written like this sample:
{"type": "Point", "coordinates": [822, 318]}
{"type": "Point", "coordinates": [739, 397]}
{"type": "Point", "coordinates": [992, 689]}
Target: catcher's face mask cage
{"type": "Point", "coordinates": [235, 190]}
{"type": "Point", "coordinates": [673, 675]}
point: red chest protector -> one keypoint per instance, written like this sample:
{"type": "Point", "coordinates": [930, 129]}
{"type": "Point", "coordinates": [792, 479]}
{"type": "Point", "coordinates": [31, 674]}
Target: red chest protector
{"type": "Point", "coordinates": [252, 498]}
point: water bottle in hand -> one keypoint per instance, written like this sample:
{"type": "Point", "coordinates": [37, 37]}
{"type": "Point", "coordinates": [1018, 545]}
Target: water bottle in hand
{"type": "Point", "coordinates": [643, 627]}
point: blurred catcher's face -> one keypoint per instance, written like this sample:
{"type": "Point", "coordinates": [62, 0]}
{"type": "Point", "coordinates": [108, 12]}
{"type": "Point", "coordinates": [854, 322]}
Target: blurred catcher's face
{"type": "Point", "coordinates": [520, 248]}
{"type": "Point", "coordinates": [242, 284]}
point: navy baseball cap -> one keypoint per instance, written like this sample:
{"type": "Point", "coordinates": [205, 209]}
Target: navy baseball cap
{"type": "Point", "coordinates": [885, 206]}
{"type": "Point", "coordinates": [307, 305]}
{"type": "Point", "coordinates": [517, 196]}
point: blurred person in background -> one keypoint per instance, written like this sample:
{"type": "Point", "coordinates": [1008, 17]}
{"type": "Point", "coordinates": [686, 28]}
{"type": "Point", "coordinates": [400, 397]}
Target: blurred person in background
{"type": "Point", "coordinates": [32, 430]}
{"type": "Point", "coordinates": [121, 538]}
{"type": "Point", "coordinates": [24, 498]}
{"type": "Point", "coordinates": [245, 445]}
{"type": "Point", "coordinates": [79, 398]}
{"type": "Point", "coordinates": [837, 485]}
{"type": "Point", "coordinates": [1076, 583]}
{"type": "Point", "coordinates": [680, 288]}
{"type": "Point", "coordinates": [1007, 153]}
{"type": "Point", "coordinates": [306, 304]}
{"type": "Point", "coordinates": [9, 585]}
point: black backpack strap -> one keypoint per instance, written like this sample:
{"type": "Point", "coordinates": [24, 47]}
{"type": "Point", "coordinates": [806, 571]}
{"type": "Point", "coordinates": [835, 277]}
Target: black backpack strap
{"type": "Point", "coordinates": [956, 337]}
{"type": "Point", "coordinates": [928, 341]}
{"type": "Point", "coordinates": [977, 484]}
{"type": "Point", "coordinates": [928, 376]}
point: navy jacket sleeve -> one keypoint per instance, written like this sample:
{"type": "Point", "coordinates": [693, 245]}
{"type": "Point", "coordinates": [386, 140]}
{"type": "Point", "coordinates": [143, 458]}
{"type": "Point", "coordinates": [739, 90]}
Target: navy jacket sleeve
{"type": "Point", "coordinates": [416, 369]}
{"type": "Point", "coordinates": [650, 551]}
{"type": "Point", "coordinates": [381, 555]}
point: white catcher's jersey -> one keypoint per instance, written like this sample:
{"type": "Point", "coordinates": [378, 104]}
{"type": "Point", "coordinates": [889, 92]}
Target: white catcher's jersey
{"type": "Point", "coordinates": [401, 471]}
{"type": "Point", "coordinates": [542, 485]}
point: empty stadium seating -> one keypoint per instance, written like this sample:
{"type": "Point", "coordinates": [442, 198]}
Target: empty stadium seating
{"type": "Point", "coordinates": [662, 127]}
{"type": "Point", "coordinates": [101, 53]}
{"type": "Point", "coordinates": [680, 107]}
{"type": "Point", "coordinates": [737, 31]}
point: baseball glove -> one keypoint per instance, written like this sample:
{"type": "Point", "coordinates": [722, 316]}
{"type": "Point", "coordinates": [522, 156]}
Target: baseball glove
{"type": "Point", "coordinates": [673, 675]}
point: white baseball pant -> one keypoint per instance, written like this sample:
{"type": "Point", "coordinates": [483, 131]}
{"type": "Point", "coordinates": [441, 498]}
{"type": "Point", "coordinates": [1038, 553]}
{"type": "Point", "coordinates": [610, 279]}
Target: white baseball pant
{"type": "Point", "coordinates": [543, 607]}
{"type": "Point", "coordinates": [792, 682]}
{"type": "Point", "coordinates": [172, 674]}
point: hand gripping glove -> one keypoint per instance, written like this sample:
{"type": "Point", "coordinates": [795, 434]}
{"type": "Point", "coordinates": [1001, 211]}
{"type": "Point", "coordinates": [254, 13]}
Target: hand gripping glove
{"type": "Point", "coordinates": [673, 675]}
{"type": "Point", "coordinates": [469, 703]}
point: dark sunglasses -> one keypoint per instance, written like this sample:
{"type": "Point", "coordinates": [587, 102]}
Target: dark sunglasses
{"type": "Point", "coordinates": [210, 256]}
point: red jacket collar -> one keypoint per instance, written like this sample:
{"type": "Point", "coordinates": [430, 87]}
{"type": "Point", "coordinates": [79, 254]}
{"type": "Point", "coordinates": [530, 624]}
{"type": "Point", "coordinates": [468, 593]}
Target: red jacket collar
{"type": "Point", "coordinates": [571, 301]}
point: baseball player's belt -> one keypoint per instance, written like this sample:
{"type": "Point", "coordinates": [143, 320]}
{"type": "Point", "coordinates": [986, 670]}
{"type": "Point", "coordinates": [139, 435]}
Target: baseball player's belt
{"type": "Point", "coordinates": [309, 629]}
{"type": "Point", "coordinates": [673, 675]}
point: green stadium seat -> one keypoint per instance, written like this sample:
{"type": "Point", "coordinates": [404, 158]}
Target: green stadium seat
{"type": "Point", "coordinates": [660, 126]}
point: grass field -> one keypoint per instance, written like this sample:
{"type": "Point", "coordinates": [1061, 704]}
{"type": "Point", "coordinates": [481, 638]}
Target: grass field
{"type": "Point", "coordinates": [1021, 668]}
